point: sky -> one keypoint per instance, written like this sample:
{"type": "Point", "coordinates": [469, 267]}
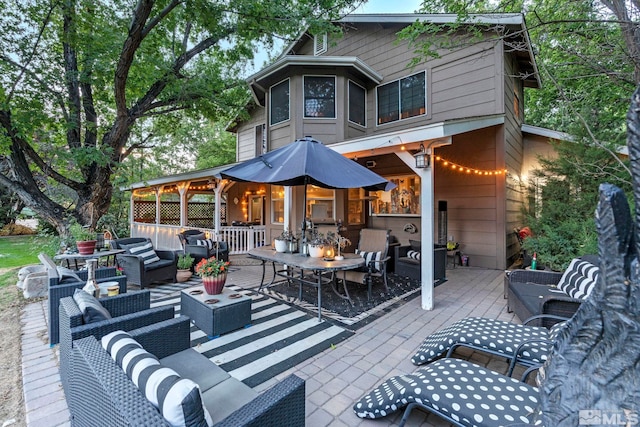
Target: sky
{"type": "Point", "coordinates": [387, 6]}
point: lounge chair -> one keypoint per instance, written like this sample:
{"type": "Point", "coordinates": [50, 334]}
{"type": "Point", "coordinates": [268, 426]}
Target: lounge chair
{"type": "Point", "coordinates": [519, 343]}
{"type": "Point", "coordinates": [144, 265]}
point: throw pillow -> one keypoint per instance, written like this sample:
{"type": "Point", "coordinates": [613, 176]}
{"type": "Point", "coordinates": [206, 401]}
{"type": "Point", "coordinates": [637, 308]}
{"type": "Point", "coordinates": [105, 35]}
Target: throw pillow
{"type": "Point", "coordinates": [146, 252]}
{"type": "Point", "coordinates": [579, 279]}
{"type": "Point", "coordinates": [67, 275]}
{"type": "Point", "coordinates": [193, 238]}
{"type": "Point", "coordinates": [209, 243]}
{"type": "Point", "coordinates": [178, 399]}
{"type": "Point", "coordinates": [413, 254]}
{"type": "Point", "coordinates": [92, 310]}
{"type": "Point", "coordinates": [371, 259]}
{"type": "Point", "coordinates": [416, 245]}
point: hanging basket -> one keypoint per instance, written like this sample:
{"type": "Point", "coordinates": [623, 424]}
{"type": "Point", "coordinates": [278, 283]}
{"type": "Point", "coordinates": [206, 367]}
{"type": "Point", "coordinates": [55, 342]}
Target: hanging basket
{"type": "Point", "coordinates": [213, 285]}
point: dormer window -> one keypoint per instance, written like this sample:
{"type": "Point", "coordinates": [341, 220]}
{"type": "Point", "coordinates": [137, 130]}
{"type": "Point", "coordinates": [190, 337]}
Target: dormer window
{"type": "Point", "coordinates": [320, 96]}
{"type": "Point", "coordinates": [319, 44]}
{"type": "Point", "coordinates": [402, 99]}
{"type": "Point", "coordinates": [279, 105]}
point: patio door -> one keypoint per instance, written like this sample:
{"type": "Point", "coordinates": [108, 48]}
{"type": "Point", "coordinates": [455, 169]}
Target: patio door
{"type": "Point", "coordinates": [256, 209]}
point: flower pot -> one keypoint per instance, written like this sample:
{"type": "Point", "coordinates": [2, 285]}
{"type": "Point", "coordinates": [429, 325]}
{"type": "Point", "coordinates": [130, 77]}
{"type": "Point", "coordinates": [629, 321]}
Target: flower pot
{"type": "Point", "coordinates": [213, 285]}
{"type": "Point", "coordinates": [316, 251]}
{"type": "Point", "coordinates": [86, 247]}
{"type": "Point", "coordinates": [281, 245]}
{"type": "Point", "coordinates": [183, 275]}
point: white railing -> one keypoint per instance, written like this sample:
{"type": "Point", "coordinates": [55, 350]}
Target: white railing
{"type": "Point", "coordinates": [239, 239]}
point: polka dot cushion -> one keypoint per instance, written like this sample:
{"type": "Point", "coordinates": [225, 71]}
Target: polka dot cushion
{"type": "Point", "coordinates": [490, 334]}
{"type": "Point", "coordinates": [467, 393]}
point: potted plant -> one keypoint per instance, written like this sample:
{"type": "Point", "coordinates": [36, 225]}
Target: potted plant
{"type": "Point", "coordinates": [285, 241]}
{"type": "Point", "coordinates": [317, 244]}
{"type": "Point", "coordinates": [185, 261]}
{"type": "Point", "coordinates": [85, 238]}
{"type": "Point", "coordinates": [213, 272]}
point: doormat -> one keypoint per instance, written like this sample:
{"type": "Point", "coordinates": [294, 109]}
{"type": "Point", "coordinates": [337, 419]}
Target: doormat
{"type": "Point", "coordinates": [339, 310]}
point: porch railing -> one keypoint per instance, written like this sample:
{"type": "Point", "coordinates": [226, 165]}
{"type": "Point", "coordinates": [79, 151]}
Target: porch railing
{"type": "Point", "coordinates": [239, 239]}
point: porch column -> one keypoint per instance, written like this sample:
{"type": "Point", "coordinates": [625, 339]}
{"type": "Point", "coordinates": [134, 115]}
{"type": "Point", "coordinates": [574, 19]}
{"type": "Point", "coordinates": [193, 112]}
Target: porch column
{"type": "Point", "coordinates": [218, 191]}
{"type": "Point", "coordinates": [158, 191]}
{"type": "Point", "coordinates": [182, 191]}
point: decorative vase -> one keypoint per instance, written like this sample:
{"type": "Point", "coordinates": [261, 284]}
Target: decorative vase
{"type": "Point", "coordinates": [213, 284]}
{"type": "Point", "coordinates": [86, 247]}
{"type": "Point", "coordinates": [281, 245]}
{"type": "Point", "coordinates": [316, 251]}
{"type": "Point", "coordinates": [183, 275]}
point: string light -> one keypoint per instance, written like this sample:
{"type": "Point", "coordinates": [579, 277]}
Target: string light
{"type": "Point", "coordinates": [469, 170]}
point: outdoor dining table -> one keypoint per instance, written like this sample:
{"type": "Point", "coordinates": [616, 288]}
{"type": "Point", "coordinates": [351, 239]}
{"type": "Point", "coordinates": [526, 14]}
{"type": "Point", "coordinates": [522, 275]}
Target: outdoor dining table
{"type": "Point", "coordinates": [320, 266]}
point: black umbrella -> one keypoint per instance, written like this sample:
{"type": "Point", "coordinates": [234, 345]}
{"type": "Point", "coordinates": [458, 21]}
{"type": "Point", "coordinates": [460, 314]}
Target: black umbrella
{"type": "Point", "coordinates": [307, 161]}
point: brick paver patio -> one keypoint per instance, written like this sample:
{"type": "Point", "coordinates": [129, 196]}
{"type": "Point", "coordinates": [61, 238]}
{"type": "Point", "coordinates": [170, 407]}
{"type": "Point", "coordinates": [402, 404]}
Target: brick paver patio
{"type": "Point", "coordinates": [336, 378]}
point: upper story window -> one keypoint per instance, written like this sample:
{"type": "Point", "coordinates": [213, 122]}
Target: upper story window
{"type": "Point", "coordinates": [402, 98]}
{"type": "Point", "coordinates": [320, 44]}
{"type": "Point", "coordinates": [357, 104]}
{"type": "Point", "coordinates": [279, 96]}
{"type": "Point", "coordinates": [320, 96]}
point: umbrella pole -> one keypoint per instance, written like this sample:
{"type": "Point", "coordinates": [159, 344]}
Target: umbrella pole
{"type": "Point", "coordinates": [304, 221]}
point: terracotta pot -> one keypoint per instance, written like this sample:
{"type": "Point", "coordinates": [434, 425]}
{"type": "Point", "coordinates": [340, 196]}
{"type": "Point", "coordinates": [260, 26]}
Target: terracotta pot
{"type": "Point", "coordinates": [213, 285]}
{"type": "Point", "coordinates": [86, 247]}
{"type": "Point", "coordinates": [183, 275]}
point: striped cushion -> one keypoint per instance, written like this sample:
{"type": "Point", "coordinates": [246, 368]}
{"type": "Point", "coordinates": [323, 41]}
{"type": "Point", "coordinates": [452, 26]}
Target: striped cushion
{"type": "Point", "coordinates": [146, 252]}
{"type": "Point", "coordinates": [178, 399]}
{"type": "Point", "coordinates": [413, 254]}
{"type": "Point", "coordinates": [371, 259]}
{"type": "Point", "coordinates": [209, 243]}
{"type": "Point", "coordinates": [579, 279]}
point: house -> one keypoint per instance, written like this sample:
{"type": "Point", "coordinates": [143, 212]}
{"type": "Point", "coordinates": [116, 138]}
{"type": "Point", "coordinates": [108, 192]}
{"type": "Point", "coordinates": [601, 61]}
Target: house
{"type": "Point", "coordinates": [463, 110]}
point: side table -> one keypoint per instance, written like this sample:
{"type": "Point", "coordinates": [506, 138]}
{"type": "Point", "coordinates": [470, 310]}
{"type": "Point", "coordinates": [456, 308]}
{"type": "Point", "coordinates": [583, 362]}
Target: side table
{"type": "Point", "coordinates": [216, 314]}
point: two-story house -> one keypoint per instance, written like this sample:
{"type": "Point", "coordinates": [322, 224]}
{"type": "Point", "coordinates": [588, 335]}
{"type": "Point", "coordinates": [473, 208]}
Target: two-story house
{"type": "Point", "coordinates": [356, 93]}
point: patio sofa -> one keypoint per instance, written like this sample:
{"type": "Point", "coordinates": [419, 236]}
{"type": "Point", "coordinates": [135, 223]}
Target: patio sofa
{"type": "Point", "coordinates": [407, 260]}
{"type": "Point", "coordinates": [535, 292]}
{"type": "Point", "coordinates": [101, 390]}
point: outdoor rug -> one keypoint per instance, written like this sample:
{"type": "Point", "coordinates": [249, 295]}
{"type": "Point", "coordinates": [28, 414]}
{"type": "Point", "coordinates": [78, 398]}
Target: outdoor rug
{"type": "Point", "coordinates": [280, 336]}
{"type": "Point", "coordinates": [339, 310]}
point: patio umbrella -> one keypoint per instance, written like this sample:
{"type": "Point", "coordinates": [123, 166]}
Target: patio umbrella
{"type": "Point", "coordinates": [307, 161]}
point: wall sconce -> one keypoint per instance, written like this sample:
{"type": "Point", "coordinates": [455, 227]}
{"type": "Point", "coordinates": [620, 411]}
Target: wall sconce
{"type": "Point", "coordinates": [422, 158]}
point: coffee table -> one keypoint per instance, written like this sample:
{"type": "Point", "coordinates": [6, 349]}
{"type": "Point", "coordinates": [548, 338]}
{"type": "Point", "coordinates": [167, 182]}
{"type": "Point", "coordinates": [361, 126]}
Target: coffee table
{"type": "Point", "coordinates": [216, 314]}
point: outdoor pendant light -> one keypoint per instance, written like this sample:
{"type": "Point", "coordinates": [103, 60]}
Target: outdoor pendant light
{"type": "Point", "coordinates": [422, 158]}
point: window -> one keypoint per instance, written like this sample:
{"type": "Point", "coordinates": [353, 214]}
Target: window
{"type": "Point", "coordinates": [319, 44]}
{"type": "Point", "coordinates": [357, 104]}
{"type": "Point", "coordinates": [402, 200]}
{"type": "Point", "coordinates": [261, 140]}
{"type": "Point", "coordinates": [320, 203]}
{"type": "Point", "coordinates": [320, 96]}
{"type": "Point", "coordinates": [402, 98]}
{"type": "Point", "coordinates": [279, 102]}
{"type": "Point", "coordinates": [277, 204]}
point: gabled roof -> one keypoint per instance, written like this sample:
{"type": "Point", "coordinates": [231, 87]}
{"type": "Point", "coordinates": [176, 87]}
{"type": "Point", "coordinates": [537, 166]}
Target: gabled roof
{"type": "Point", "coordinates": [513, 21]}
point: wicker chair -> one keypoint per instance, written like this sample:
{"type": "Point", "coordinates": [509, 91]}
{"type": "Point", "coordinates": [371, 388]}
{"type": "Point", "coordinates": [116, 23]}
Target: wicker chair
{"type": "Point", "coordinates": [374, 247]}
{"type": "Point", "coordinates": [113, 397]}
{"type": "Point", "coordinates": [129, 311]}
{"type": "Point", "coordinates": [219, 249]}
{"type": "Point", "coordinates": [60, 287]}
{"type": "Point", "coordinates": [141, 274]}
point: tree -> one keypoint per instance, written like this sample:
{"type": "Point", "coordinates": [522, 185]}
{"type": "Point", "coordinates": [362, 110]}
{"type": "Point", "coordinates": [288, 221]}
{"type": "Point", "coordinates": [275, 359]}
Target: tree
{"type": "Point", "coordinates": [80, 78]}
{"type": "Point", "coordinates": [587, 54]}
